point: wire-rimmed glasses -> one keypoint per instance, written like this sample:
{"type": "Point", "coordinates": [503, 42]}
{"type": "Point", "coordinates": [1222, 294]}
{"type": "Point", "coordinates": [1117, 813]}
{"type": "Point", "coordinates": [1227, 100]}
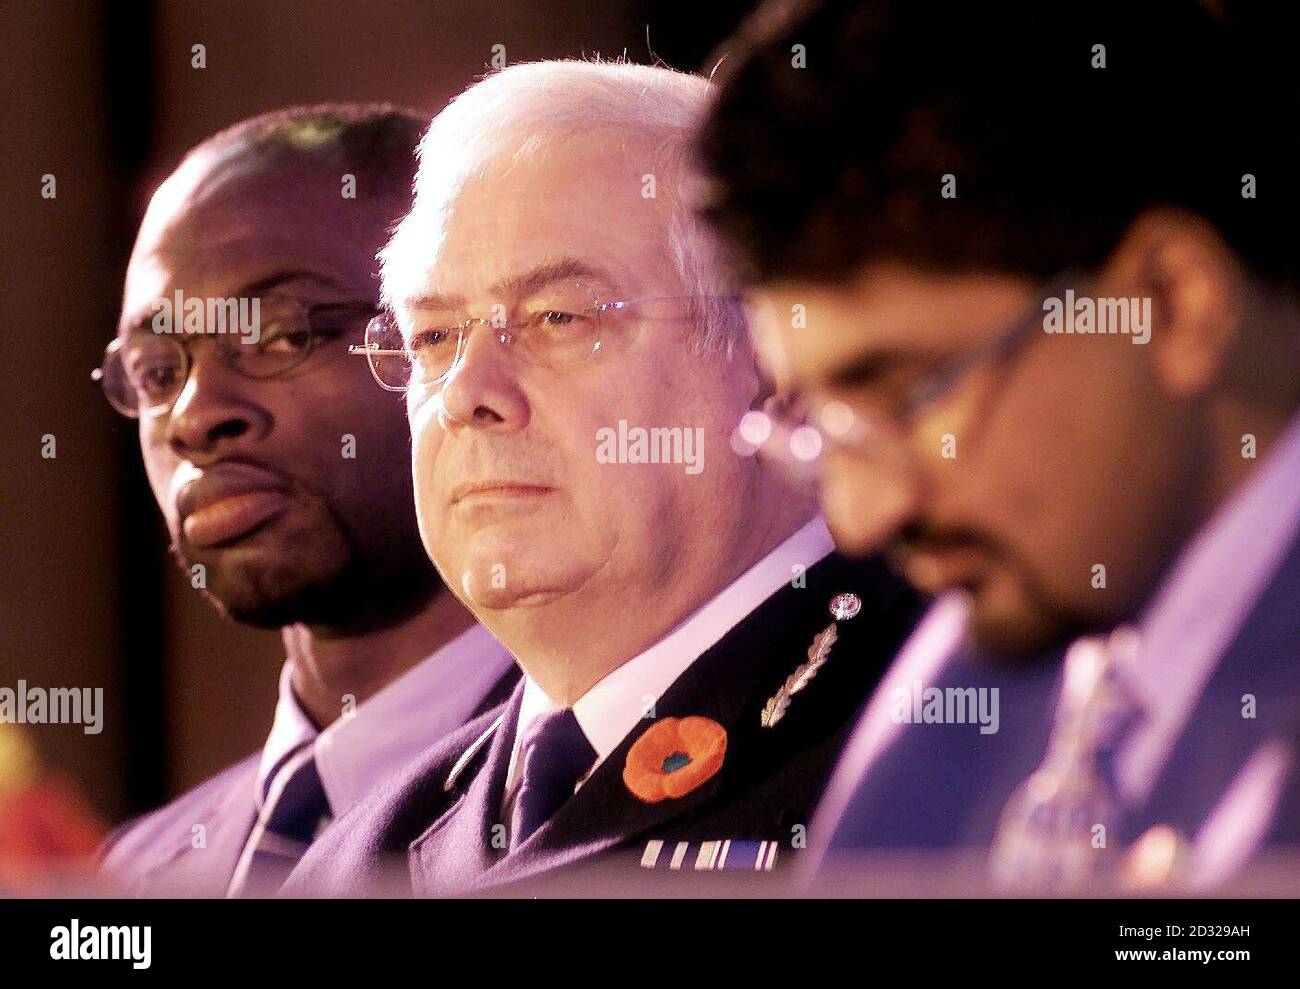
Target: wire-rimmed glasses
{"type": "Point", "coordinates": [805, 430]}
{"type": "Point", "coordinates": [432, 344]}
{"type": "Point", "coordinates": [144, 371]}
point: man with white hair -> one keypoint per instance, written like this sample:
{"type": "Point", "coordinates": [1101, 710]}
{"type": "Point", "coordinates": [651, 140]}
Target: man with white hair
{"type": "Point", "coordinates": [240, 437]}
{"type": "Point", "coordinates": [575, 370]}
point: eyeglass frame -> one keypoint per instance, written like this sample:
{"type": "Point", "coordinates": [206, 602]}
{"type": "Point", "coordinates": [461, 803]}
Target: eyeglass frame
{"type": "Point", "coordinates": [308, 308]}
{"type": "Point", "coordinates": [504, 336]}
{"type": "Point", "coordinates": [943, 380]}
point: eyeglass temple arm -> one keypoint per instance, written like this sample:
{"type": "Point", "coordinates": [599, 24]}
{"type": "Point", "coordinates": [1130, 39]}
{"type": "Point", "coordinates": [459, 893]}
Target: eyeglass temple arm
{"type": "Point", "coordinates": [366, 350]}
{"type": "Point", "coordinates": [624, 303]}
{"type": "Point", "coordinates": [994, 349]}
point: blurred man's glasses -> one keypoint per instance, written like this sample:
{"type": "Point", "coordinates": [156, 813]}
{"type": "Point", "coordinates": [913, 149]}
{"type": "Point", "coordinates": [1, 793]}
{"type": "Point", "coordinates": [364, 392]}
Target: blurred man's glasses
{"type": "Point", "coordinates": [550, 336]}
{"type": "Point", "coordinates": [802, 431]}
{"type": "Point", "coordinates": [144, 371]}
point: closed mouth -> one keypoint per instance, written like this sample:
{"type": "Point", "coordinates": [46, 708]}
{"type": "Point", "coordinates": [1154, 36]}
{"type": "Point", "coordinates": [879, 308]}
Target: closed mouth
{"type": "Point", "coordinates": [229, 502]}
{"type": "Point", "coordinates": [497, 489]}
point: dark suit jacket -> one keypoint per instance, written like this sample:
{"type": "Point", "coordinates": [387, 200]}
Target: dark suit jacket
{"type": "Point", "coordinates": [443, 815]}
{"type": "Point", "coordinates": [945, 786]}
{"type": "Point", "coordinates": [1263, 661]}
{"type": "Point", "coordinates": [158, 854]}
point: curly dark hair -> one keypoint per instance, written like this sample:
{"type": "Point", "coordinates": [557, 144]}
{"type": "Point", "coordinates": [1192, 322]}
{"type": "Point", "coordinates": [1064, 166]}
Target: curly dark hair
{"type": "Point", "coordinates": [819, 169]}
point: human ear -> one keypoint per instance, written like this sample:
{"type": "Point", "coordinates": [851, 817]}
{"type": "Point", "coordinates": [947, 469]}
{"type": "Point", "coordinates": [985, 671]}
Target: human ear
{"type": "Point", "coordinates": [1197, 288]}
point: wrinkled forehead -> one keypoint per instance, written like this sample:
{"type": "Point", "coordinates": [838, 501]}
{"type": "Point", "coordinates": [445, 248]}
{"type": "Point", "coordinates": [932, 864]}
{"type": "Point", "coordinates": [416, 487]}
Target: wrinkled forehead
{"type": "Point", "coordinates": [601, 203]}
{"type": "Point", "coordinates": [218, 225]}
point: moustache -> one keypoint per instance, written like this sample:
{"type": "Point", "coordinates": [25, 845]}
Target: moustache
{"type": "Point", "coordinates": [921, 536]}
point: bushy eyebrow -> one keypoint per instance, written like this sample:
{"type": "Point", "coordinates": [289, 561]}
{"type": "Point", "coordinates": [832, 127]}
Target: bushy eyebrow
{"type": "Point", "coordinates": [522, 285]}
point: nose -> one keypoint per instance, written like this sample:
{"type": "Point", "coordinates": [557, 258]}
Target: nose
{"type": "Point", "coordinates": [867, 501]}
{"type": "Point", "coordinates": [482, 391]}
{"type": "Point", "coordinates": [213, 409]}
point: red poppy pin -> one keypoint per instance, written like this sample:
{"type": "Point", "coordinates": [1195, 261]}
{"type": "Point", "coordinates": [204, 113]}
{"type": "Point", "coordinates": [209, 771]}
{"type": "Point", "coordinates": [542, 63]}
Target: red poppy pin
{"type": "Point", "coordinates": [673, 757]}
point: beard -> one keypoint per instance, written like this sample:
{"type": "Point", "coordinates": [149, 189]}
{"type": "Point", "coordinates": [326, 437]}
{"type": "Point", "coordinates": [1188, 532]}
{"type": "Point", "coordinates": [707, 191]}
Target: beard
{"type": "Point", "coordinates": [1015, 620]}
{"type": "Point", "coordinates": [310, 568]}
{"type": "Point", "coordinates": [1039, 630]}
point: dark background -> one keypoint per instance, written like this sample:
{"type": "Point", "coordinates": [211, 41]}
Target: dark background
{"type": "Point", "coordinates": [102, 95]}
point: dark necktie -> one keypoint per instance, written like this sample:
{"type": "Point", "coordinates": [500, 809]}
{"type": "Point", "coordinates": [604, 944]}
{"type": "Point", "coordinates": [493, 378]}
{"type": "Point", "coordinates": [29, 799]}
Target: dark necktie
{"type": "Point", "coordinates": [290, 827]}
{"type": "Point", "coordinates": [554, 756]}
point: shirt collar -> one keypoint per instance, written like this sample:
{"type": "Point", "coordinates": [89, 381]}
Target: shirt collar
{"type": "Point", "coordinates": [391, 727]}
{"type": "Point", "coordinates": [612, 707]}
{"type": "Point", "coordinates": [290, 731]}
{"type": "Point", "coordinates": [1200, 606]}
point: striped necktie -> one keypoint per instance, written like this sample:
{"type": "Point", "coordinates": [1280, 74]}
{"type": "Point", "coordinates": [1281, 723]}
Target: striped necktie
{"type": "Point", "coordinates": [1058, 828]}
{"type": "Point", "coordinates": [295, 809]}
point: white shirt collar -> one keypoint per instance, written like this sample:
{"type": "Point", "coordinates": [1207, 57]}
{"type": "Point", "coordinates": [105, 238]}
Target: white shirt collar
{"type": "Point", "coordinates": [612, 707]}
{"type": "Point", "coordinates": [391, 727]}
{"type": "Point", "coordinates": [1200, 606]}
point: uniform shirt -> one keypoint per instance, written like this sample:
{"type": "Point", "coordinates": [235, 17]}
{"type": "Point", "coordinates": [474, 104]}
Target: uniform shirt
{"type": "Point", "coordinates": [614, 706]}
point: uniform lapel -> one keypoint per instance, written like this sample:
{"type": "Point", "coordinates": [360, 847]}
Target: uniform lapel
{"type": "Point", "coordinates": [458, 848]}
{"type": "Point", "coordinates": [730, 683]}
{"type": "Point", "coordinates": [603, 814]}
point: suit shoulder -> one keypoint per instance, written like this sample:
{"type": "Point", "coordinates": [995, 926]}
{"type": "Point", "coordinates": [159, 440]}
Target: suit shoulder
{"type": "Point", "coordinates": [160, 831]}
{"type": "Point", "coordinates": [357, 852]}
